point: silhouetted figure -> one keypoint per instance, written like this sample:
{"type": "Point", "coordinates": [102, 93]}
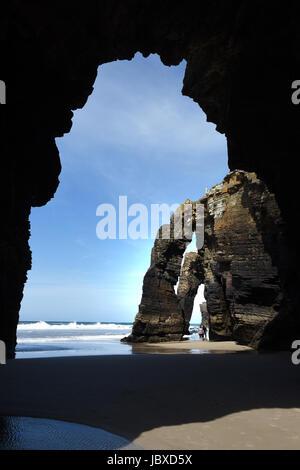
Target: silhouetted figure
{"type": "Point", "coordinates": [201, 332]}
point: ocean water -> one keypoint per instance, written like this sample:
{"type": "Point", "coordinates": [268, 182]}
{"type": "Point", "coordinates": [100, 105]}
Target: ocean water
{"type": "Point", "coordinates": [50, 339]}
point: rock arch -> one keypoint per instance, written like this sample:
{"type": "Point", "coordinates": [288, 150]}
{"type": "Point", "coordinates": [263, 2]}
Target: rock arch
{"type": "Point", "coordinates": [241, 60]}
{"type": "Point", "coordinates": [243, 291]}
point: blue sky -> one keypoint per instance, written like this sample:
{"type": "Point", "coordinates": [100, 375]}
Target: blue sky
{"type": "Point", "coordinates": [136, 136]}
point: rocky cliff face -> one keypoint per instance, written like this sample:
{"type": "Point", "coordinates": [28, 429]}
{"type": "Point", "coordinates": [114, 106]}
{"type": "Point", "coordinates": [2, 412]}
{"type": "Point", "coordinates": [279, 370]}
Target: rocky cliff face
{"type": "Point", "coordinates": [160, 316]}
{"type": "Point", "coordinates": [241, 60]}
{"type": "Point", "coordinates": [204, 314]}
{"type": "Point", "coordinates": [244, 241]}
{"type": "Point", "coordinates": [244, 236]}
{"type": "Point", "coordinates": [163, 314]}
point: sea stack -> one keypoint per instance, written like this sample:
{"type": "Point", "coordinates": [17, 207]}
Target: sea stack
{"type": "Point", "coordinates": [240, 264]}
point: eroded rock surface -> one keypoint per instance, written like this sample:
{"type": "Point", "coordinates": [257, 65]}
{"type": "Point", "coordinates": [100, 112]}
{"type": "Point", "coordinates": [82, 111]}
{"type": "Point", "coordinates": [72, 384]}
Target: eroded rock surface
{"type": "Point", "coordinates": [244, 235]}
{"type": "Point", "coordinates": [204, 314]}
{"type": "Point", "coordinates": [160, 316]}
{"type": "Point", "coordinates": [244, 242]}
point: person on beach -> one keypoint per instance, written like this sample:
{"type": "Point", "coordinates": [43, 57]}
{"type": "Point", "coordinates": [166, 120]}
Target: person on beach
{"type": "Point", "coordinates": [201, 332]}
{"type": "Point", "coordinates": [204, 333]}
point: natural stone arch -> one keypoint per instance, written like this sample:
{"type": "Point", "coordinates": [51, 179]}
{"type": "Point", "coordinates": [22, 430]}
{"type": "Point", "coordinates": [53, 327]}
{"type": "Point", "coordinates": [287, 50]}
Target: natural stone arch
{"type": "Point", "coordinates": [191, 277]}
{"type": "Point", "coordinates": [241, 58]}
{"type": "Point", "coordinates": [242, 286]}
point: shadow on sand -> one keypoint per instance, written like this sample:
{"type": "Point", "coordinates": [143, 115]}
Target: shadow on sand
{"type": "Point", "coordinates": [128, 395]}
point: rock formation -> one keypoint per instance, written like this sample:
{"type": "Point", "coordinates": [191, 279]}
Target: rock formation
{"type": "Point", "coordinates": [244, 236]}
{"type": "Point", "coordinates": [191, 276]}
{"type": "Point", "coordinates": [244, 240]}
{"type": "Point", "coordinates": [204, 314]}
{"type": "Point", "coordinates": [242, 58]}
{"type": "Point", "coordinates": [160, 316]}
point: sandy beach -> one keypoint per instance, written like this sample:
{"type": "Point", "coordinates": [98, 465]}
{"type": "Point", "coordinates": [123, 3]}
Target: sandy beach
{"type": "Point", "coordinates": [165, 401]}
{"type": "Point", "coordinates": [192, 346]}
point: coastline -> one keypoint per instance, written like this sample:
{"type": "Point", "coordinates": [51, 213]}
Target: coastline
{"type": "Point", "coordinates": [164, 401]}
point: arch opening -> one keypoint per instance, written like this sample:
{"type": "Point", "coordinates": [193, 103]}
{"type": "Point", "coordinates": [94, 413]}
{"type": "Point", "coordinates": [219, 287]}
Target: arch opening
{"type": "Point", "coordinates": [135, 133]}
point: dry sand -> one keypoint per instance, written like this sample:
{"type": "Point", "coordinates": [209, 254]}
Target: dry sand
{"type": "Point", "coordinates": [165, 401]}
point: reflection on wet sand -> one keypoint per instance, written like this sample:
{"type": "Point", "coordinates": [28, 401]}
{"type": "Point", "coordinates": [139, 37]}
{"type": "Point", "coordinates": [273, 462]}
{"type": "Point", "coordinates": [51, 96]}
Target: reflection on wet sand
{"type": "Point", "coordinates": [190, 347]}
{"type": "Point", "coordinates": [18, 433]}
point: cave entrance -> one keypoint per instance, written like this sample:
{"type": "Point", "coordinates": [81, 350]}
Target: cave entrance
{"type": "Point", "coordinates": [136, 136]}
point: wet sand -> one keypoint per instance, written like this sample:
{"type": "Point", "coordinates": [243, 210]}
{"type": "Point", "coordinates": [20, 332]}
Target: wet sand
{"type": "Point", "coordinates": [18, 433]}
{"type": "Point", "coordinates": [190, 346]}
{"type": "Point", "coordinates": [165, 401]}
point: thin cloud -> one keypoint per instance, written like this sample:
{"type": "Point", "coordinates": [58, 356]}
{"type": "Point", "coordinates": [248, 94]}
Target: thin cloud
{"type": "Point", "coordinates": [142, 117]}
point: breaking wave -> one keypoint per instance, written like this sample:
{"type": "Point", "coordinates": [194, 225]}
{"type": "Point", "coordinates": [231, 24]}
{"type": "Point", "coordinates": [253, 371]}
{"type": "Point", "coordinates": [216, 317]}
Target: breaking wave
{"type": "Point", "coordinates": [42, 325]}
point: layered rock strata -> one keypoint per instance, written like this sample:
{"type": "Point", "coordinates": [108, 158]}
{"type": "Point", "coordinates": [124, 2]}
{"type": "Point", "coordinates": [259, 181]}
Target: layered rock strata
{"type": "Point", "coordinates": [244, 235]}
{"type": "Point", "coordinates": [160, 316]}
{"type": "Point", "coordinates": [204, 314]}
{"type": "Point", "coordinates": [244, 239]}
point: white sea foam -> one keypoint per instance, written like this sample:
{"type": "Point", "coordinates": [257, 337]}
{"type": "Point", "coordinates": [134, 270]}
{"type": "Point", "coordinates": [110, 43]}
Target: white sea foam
{"type": "Point", "coordinates": [49, 339]}
{"type": "Point", "coordinates": [58, 339]}
{"type": "Point", "coordinates": [42, 325]}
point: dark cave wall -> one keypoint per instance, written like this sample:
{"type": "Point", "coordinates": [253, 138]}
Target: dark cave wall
{"type": "Point", "coordinates": [241, 58]}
